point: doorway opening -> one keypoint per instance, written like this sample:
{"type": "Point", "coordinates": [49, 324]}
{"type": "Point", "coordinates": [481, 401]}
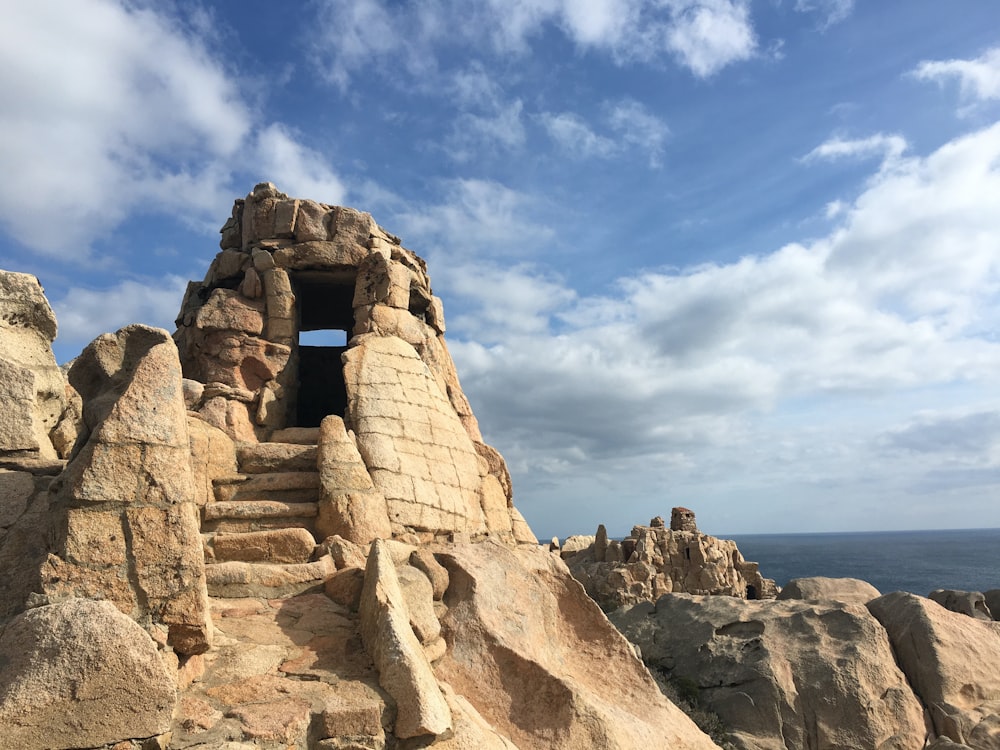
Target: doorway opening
{"type": "Point", "coordinates": [325, 321]}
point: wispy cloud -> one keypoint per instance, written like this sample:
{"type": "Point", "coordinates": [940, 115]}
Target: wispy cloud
{"type": "Point", "coordinates": [629, 125]}
{"type": "Point", "coordinates": [978, 79]}
{"type": "Point", "coordinates": [886, 147]}
{"type": "Point", "coordinates": [832, 11]}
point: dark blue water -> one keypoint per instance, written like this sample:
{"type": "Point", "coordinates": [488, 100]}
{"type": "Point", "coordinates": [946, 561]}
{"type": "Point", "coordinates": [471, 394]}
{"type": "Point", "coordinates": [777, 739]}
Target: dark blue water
{"type": "Point", "coordinates": [914, 561]}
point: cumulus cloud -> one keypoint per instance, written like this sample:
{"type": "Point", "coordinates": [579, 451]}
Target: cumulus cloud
{"type": "Point", "coordinates": [296, 169]}
{"type": "Point", "coordinates": [85, 313]}
{"type": "Point", "coordinates": [115, 108]}
{"type": "Point", "coordinates": [702, 35]}
{"type": "Point", "coordinates": [93, 121]}
{"type": "Point", "coordinates": [686, 368]}
{"type": "Point", "coordinates": [978, 79]}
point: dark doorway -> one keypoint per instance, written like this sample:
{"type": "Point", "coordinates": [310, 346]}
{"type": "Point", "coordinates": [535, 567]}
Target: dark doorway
{"type": "Point", "coordinates": [324, 304]}
{"type": "Point", "coordinates": [751, 592]}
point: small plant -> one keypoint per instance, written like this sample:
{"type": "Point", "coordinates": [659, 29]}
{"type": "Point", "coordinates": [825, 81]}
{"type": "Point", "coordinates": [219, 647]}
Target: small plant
{"type": "Point", "coordinates": [684, 693]}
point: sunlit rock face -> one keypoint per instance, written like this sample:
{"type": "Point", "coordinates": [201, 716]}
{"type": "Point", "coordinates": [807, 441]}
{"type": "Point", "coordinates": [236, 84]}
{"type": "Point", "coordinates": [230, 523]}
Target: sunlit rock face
{"type": "Point", "coordinates": [312, 310]}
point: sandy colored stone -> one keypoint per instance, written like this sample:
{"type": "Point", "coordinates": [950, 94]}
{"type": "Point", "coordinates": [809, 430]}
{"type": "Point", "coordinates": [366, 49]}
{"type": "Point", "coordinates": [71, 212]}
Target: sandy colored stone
{"type": "Point", "coordinates": [782, 675]}
{"type": "Point", "coordinates": [424, 561]}
{"type": "Point", "coordinates": [275, 546]}
{"type": "Point", "coordinates": [951, 660]}
{"type": "Point", "coordinates": [350, 506]}
{"type": "Point", "coordinates": [345, 586]}
{"type": "Point", "coordinates": [284, 721]}
{"type": "Point", "coordinates": [403, 669]}
{"type": "Point", "coordinates": [282, 457]}
{"type": "Point", "coordinates": [237, 579]}
{"type": "Point", "coordinates": [213, 455]}
{"type": "Point", "coordinates": [345, 553]}
{"type": "Point", "coordinates": [228, 310]}
{"type": "Point", "coordinates": [540, 662]}
{"type": "Point", "coordinates": [494, 504]}
{"type": "Point", "coordinates": [16, 489]}
{"type": "Point", "coordinates": [80, 674]}
{"type": "Point", "coordinates": [970, 603]}
{"type": "Point", "coordinates": [419, 597]}
{"type": "Point", "coordinates": [820, 589]}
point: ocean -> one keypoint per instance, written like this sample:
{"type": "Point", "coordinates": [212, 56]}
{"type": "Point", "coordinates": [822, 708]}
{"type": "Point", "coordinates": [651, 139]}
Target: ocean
{"type": "Point", "coordinates": [914, 561]}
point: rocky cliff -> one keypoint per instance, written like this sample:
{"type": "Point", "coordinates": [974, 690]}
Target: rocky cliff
{"type": "Point", "coordinates": [237, 537]}
{"type": "Point", "coordinates": [655, 560]}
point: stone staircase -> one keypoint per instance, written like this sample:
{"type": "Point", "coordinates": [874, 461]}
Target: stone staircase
{"type": "Point", "coordinates": [259, 534]}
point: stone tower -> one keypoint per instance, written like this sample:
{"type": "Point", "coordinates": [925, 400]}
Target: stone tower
{"type": "Point", "coordinates": [682, 519]}
{"type": "Point", "coordinates": [379, 377]}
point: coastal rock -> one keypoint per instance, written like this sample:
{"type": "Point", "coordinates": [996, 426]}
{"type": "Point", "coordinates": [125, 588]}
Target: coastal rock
{"type": "Point", "coordinates": [781, 675]}
{"type": "Point", "coordinates": [79, 673]}
{"type": "Point", "coordinates": [819, 589]}
{"type": "Point", "coordinates": [970, 603]}
{"type": "Point", "coordinates": [992, 599]}
{"type": "Point", "coordinates": [953, 663]}
{"type": "Point", "coordinates": [539, 662]}
{"type": "Point", "coordinates": [655, 560]}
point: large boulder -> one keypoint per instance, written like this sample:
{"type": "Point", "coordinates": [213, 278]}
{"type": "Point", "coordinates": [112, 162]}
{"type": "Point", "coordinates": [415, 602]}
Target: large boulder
{"type": "Point", "coordinates": [127, 522]}
{"type": "Point", "coordinates": [537, 660]}
{"type": "Point", "coordinates": [782, 675]}
{"type": "Point", "coordinates": [820, 589]}
{"type": "Point", "coordinates": [79, 673]}
{"type": "Point", "coordinates": [971, 603]}
{"type": "Point", "coordinates": [953, 663]}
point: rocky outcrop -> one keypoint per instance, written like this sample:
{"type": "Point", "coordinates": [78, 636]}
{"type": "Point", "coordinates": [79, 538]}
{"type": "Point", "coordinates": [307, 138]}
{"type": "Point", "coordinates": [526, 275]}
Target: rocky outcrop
{"type": "Point", "coordinates": [79, 673]}
{"type": "Point", "coordinates": [32, 388]}
{"type": "Point", "coordinates": [537, 659]}
{"type": "Point", "coordinates": [818, 589]}
{"type": "Point", "coordinates": [971, 603]}
{"type": "Point", "coordinates": [125, 520]}
{"type": "Point", "coordinates": [782, 675]}
{"type": "Point", "coordinates": [953, 663]}
{"type": "Point", "coordinates": [654, 560]}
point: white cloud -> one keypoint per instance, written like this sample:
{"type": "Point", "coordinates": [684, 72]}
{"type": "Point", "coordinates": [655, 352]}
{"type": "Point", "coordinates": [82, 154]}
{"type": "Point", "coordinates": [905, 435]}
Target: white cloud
{"type": "Point", "coordinates": [979, 79]}
{"type": "Point", "coordinates": [833, 11]}
{"type": "Point", "coordinates": [84, 314]}
{"type": "Point", "coordinates": [695, 369]}
{"type": "Point", "coordinates": [887, 147]}
{"type": "Point", "coordinates": [293, 167]}
{"type": "Point", "coordinates": [574, 136]}
{"type": "Point", "coordinates": [702, 35]}
{"type": "Point", "coordinates": [499, 128]}
{"type": "Point", "coordinates": [630, 124]}
{"type": "Point", "coordinates": [92, 121]}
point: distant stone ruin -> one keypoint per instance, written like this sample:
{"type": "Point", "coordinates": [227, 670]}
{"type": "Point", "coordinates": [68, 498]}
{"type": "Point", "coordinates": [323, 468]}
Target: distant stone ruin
{"type": "Point", "coordinates": [653, 561]}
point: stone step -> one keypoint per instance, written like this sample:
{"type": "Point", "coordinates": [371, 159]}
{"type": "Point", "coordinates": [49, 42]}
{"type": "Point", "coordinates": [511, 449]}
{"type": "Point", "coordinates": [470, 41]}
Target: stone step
{"type": "Point", "coordinates": [260, 458]}
{"type": "Point", "coordinates": [241, 579]}
{"type": "Point", "coordinates": [280, 486]}
{"type": "Point", "coordinates": [292, 545]}
{"type": "Point", "coordinates": [246, 509]}
{"type": "Point", "coordinates": [243, 525]}
{"type": "Point", "coordinates": [299, 435]}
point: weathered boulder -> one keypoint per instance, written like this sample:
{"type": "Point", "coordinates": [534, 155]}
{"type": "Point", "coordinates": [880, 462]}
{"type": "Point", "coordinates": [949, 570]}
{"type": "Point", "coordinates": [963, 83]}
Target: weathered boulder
{"type": "Point", "coordinates": [953, 663]}
{"type": "Point", "coordinates": [782, 675]}
{"type": "Point", "coordinates": [404, 671]}
{"type": "Point", "coordinates": [971, 603]}
{"type": "Point", "coordinates": [79, 673]}
{"type": "Point", "coordinates": [32, 388]}
{"type": "Point", "coordinates": [127, 524]}
{"type": "Point", "coordinates": [819, 589]}
{"type": "Point", "coordinates": [24, 536]}
{"type": "Point", "coordinates": [539, 662]}
{"type": "Point", "coordinates": [654, 560]}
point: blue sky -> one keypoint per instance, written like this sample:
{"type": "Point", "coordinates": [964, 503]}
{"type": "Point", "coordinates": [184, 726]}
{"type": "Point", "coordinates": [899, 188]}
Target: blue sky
{"type": "Point", "coordinates": [739, 256]}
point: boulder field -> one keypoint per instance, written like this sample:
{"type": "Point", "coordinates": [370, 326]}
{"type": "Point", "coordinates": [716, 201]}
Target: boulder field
{"type": "Point", "coordinates": [238, 536]}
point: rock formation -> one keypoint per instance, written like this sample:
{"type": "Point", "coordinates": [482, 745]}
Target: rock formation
{"type": "Point", "coordinates": [818, 589]}
{"type": "Point", "coordinates": [654, 560]}
{"type": "Point", "coordinates": [782, 675]}
{"type": "Point", "coordinates": [284, 545]}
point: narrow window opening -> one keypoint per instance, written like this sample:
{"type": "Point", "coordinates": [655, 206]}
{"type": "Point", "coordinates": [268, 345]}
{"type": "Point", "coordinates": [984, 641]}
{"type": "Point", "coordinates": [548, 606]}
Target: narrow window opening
{"type": "Point", "coordinates": [751, 592]}
{"type": "Point", "coordinates": [324, 303]}
{"type": "Point", "coordinates": [687, 553]}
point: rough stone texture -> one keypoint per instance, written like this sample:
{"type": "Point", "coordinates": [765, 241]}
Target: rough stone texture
{"type": "Point", "coordinates": [24, 535]}
{"type": "Point", "coordinates": [128, 524]}
{"type": "Point", "coordinates": [79, 673]}
{"type": "Point", "coordinates": [782, 674]}
{"type": "Point", "coordinates": [32, 388]}
{"type": "Point", "coordinates": [953, 663]}
{"type": "Point", "coordinates": [820, 589]}
{"type": "Point", "coordinates": [350, 506]}
{"type": "Point", "coordinates": [655, 560]}
{"type": "Point", "coordinates": [971, 603]}
{"type": "Point", "coordinates": [403, 669]}
{"type": "Point", "coordinates": [274, 545]}
{"type": "Point", "coordinates": [213, 454]}
{"type": "Point", "coordinates": [414, 445]}
{"type": "Point", "coordinates": [992, 599]}
{"type": "Point", "coordinates": [537, 659]}
{"type": "Point", "coordinates": [681, 519]}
